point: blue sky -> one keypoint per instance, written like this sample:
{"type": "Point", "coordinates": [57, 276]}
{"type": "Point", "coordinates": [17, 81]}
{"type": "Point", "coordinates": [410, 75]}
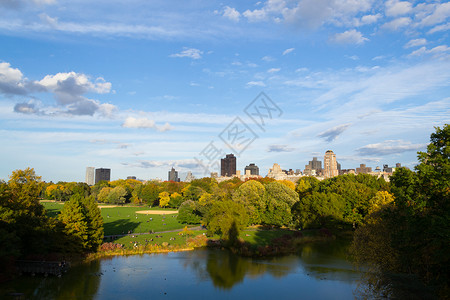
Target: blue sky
{"type": "Point", "coordinates": [141, 86]}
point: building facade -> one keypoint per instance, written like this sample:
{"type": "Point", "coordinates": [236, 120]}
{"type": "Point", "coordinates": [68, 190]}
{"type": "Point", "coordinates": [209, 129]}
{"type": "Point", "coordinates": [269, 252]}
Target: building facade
{"type": "Point", "coordinates": [102, 174]}
{"type": "Point", "coordinates": [173, 175]}
{"type": "Point", "coordinates": [228, 165]}
{"type": "Point", "coordinates": [330, 166]}
{"type": "Point", "coordinates": [90, 175]}
{"type": "Point", "coordinates": [254, 169]}
{"type": "Point", "coordinates": [363, 169]}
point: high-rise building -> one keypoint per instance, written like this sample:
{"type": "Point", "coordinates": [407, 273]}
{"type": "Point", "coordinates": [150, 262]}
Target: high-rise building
{"type": "Point", "coordinates": [102, 174]}
{"type": "Point", "coordinates": [228, 165]}
{"type": "Point", "coordinates": [314, 167]}
{"type": "Point", "coordinates": [254, 170]}
{"type": "Point", "coordinates": [173, 175]}
{"type": "Point", "coordinates": [363, 169]}
{"type": "Point", "coordinates": [90, 175]}
{"type": "Point", "coordinates": [330, 167]}
{"type": "Point", "coordinates": [189, 177]}
{"type": "Point", "coordinates": [131, 177]}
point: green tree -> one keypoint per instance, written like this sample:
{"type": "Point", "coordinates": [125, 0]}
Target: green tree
{"type": "Point", "coordinates": [102, 196]}
{"type": "Point", "coordinates": [150, 193]}
{"type": "Point", "coordinates": [117, 195]}
{"type": "Point", "coordinates": [318, 210]}
{"type": "Point", "coordinates": [416, 226]}
{"type": "Point", "coordinates": [188, 213]}
{"type": "Point", "coordinates": [95, 223]}
{"type": "Point", "coordinates": [24, 188]}
{"type": "Point", "coordinates": [278, 199]}
{"type": "Point", "coordinates": [74, 217]}
{"type": "Point", "coordinates": [175, 200]}
{"type": "Point", "coordinates": [250, 194]}
{"type": "Point", "coordinates": [226, 218]}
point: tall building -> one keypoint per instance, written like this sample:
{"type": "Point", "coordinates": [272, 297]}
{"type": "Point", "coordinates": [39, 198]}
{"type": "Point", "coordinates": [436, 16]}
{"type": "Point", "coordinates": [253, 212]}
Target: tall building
{"type": "Point", "coordinates": [316, 165]}
{"type": "Point", "coordinates": [363, 169]}
{"type": "Point", "coordinates": [330, 166]}
{"type": "Point", "coordinates": [90, 175]}
{"type": "Point", "coordinates": [276, 172]}
{"type": "Point", "coordinates": [102, 174]}
{"type": "Point", "coordinates": [189, 177]}
{"type": "Point", "coordinates": [173, 175]}
{"type": "Point", "coordinates": [254, 170]}
{"type": "Point", "coordinates": [228, 165]}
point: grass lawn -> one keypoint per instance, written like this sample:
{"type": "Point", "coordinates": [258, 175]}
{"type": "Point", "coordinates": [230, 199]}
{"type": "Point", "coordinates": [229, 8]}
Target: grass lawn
{"type": "Point", "coordinates": [263, 237]}
{"type": "Point", "coordinates": [120, 220]}
{"type": "Point", "coordinates": [144, 239]}
{"type": "Point", "coordinates": [124, 219]}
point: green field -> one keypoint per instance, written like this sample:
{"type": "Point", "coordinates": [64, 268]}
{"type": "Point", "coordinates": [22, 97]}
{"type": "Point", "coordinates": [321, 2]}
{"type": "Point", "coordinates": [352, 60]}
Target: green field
{"type": "Point", "coordinates": [172, 238]}
{"type": "Point", "coordinates": [124, 219]}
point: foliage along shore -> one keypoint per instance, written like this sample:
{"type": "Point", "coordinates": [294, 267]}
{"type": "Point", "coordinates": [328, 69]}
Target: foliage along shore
{"type": "Point", "coordinates": [401, 226]}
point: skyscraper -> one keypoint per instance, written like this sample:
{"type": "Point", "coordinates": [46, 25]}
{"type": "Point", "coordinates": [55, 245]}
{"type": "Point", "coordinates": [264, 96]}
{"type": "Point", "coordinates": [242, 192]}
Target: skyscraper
{"type": "Point", "coordinates": [330, 168]}
{"type": "Point", "coordinates": [228, 165]}
{"type": "Point", "coordinates": [90, 175]}
{"type": "Point", "coordinates": [102, 174]}
{"type": "Point", "coordinates": [254, 170]}
{"type": "Point", "coordinates": [173, 175]}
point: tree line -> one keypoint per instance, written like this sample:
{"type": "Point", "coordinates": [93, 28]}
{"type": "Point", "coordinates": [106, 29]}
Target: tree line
{"type": "Point", "coordinates": [400, 226]}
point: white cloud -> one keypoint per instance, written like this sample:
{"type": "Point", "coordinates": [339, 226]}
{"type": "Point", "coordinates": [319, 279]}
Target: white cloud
{"type": "Point", "coordinates": [308, 14]}
{"type": "Point", "coordinates": [331, 134]}
{"type": "Point", "coordinates": [44, 2]}
{"type": "Point", "coordinates": [267, 58]}
{"type": "Point", "coordinates": [256, 15]}
{"type": "Point", "coordinates": [273, 70]}
{"type": "Point", "coordinates": [349, 37]}
{"type": "Point", "coordinates": [396, 8]}
{"type": "Point", "coordinates": [11, 80]}
{"type": "Point", "coordinates": [189, 52]}
{"type": "Point", "coordinates": [397, 23]}
{"type": "Point", "coordinates": [287, 51]}
{"type": "Point", "coordinates": [389, 147]}
{"type": "Point", "coordinates": [131, 122]}
{"type": "Point", "coordinates": [370, 19]}
{"type": "Point", "coordinates": [416, 43]}
{"type": "Point", "coordinates": [231, 13]}
{"type": "Point", "coordinates": [67, 88]}
{"type": "Point", "coordinates": [280, 148]}
{"type": "Point", "coordinates": [48, 20]}
{"type": "Point", "coordinates": [256, 83]}
{"type": "Point", "coordinates": [439, 15]}
{"type": "Point", "coordinates": [143, 123]}
{"type": "Point", "coordinates": [439, 50]}
{"type": "Point", "coordinates": [443, 27]}
{"type": "Point", "coordinates": [75, 83]}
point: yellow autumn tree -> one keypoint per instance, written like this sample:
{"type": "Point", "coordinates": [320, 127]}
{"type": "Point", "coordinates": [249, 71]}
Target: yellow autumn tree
{"type": "Point", "coordinates": [164, 199]}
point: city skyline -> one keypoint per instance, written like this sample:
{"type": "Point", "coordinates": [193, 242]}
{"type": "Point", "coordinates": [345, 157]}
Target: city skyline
{"type": "Point", "coordinates": [145, 86]}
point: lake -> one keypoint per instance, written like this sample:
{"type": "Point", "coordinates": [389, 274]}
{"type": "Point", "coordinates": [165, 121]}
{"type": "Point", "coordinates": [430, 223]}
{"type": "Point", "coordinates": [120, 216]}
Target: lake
{"type": "Point", "coordinates": [317, 271]}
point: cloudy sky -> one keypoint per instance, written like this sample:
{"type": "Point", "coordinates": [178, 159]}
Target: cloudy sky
{"type": "Point", "coordinates": [141, 86]}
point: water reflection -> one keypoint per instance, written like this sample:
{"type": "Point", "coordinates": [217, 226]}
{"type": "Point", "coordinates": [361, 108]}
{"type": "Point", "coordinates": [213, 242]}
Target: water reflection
{"type": "Point", "coordinates": [317, 271]}
{"type": "Point", "coordinates": [80, 280]}
{"type": "Point", "coordinates": [321, 261]}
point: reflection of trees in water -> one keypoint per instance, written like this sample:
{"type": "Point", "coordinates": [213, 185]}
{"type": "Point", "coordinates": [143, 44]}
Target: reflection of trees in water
{"type": "Point", "coordinates": [81, 281]}
{"type": "Point", "coordinates": [328, 260]}
{"type": "Point", "coordinates": [379, 285]}
{"type": "Point", "coordinates": [226, 269]}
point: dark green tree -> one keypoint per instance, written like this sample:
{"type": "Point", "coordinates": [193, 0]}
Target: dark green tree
{"type": "Point", "coordinates": [226, 218]}
{"type": "Point", "coordinates": [188, 213]}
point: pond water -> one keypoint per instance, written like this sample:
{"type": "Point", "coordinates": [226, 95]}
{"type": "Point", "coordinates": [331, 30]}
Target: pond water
{"type": "Point", "coordinates": [317, 271]}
